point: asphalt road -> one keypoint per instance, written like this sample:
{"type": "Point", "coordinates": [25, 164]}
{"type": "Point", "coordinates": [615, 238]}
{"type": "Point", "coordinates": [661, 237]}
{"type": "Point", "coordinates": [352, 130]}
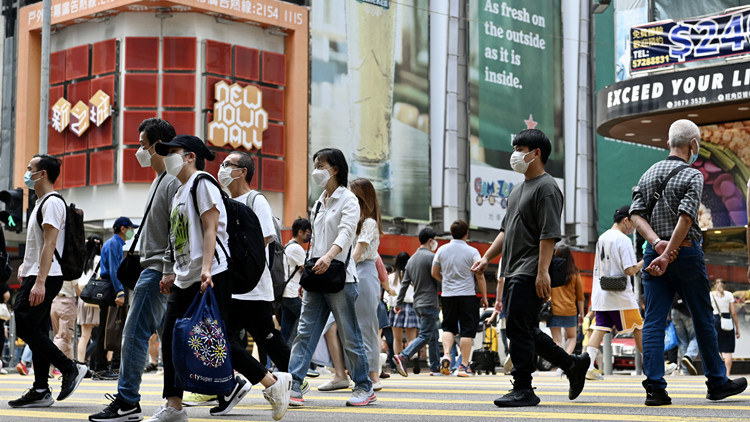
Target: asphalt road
{"type": "Point", "coordinates": [421, 398]}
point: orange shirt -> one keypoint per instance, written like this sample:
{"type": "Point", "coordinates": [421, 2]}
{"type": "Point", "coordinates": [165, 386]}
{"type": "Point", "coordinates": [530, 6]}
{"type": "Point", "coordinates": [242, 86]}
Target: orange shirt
{"type": "Point", "coordinates": [564, 298]}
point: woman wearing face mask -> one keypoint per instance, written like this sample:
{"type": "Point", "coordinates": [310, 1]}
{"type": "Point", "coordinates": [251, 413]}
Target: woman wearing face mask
{"type": "Point", "coordinates": [334, 221]}
{"type": "Point", "coordinates": [112, 255]}
{"type": "Point", "coordinates": [407, 320]}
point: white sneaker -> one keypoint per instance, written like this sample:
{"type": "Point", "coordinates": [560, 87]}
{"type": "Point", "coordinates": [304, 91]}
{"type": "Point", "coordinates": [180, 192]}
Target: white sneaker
{"type": "Point", "coordinates": [278, 395]}
{"type": "Point", "coordinates": [361, 398]}
{"type": "Point", "coordinates": [594, 374]}
{"type": "Point", "coordinates": [669, 367]}
{"type": "Point", "coordinates": [168, 414]}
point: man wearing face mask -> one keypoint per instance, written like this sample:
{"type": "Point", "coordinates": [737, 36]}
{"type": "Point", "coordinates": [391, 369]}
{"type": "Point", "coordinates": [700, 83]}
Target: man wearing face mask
{"type": "Point", "coordinates": [148, 305]}
{"type": "Point", "coordinates": [112, 255]}
{"type": "Point", "coordinates": [674, 262]}
{"type": "Point", "coordinates": [615, 309]}
{"type": "Point", "coordinates": [528, 233]}
{"type": "Point", "coordinates": [418, 272]}
{"type": "Point", "coordinates": [294, 260]}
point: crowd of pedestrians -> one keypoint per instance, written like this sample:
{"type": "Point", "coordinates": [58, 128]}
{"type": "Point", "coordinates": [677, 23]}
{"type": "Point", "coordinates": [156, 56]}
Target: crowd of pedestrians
{"type": "Point", "coordinates": [334, 288]}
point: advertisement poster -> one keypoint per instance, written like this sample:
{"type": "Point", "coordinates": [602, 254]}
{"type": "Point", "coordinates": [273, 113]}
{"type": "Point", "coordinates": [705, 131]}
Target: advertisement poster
{"type": "Point", "coordinates": [370, 97]}
{"type": "Point", "coordinates": [516, 84]}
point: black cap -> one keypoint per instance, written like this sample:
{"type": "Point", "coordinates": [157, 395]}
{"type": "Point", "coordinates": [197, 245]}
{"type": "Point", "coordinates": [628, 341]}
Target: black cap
{"type": "Point", "coordinates": [621, 213]}
{"type": "Point", "coordinates": [189, 143]}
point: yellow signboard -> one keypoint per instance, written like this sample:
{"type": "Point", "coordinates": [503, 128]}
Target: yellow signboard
{"type": "Point", "coordinates": [239, 117]}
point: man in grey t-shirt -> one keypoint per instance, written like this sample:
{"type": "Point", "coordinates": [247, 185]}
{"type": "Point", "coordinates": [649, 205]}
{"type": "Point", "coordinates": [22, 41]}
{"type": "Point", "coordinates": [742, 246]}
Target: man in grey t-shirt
{"type": "Point", "coordinates": [532, 222]}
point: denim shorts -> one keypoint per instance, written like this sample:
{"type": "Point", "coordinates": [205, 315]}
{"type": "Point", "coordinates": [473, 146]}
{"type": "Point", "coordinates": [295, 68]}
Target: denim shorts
{"type": "Point", "coordinates": [563, 321]}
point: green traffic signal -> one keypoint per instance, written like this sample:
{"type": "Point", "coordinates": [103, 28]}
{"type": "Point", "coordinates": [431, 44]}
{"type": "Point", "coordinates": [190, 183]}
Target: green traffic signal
{"type": "Point", "coordinates": [13, 214]}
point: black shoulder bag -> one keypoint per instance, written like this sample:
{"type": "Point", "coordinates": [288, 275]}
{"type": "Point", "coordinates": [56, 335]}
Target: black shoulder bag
{"type": "Point", "coordinates": [98, 291]}
{"type": "Point", "coordinates": [557, 266]}
{"type": "Point", "coordinates": [130, 268]}
{"type": "Point", "coordinates": [331, 281]}
{"type": "Point", "coordinates": [660, 192]}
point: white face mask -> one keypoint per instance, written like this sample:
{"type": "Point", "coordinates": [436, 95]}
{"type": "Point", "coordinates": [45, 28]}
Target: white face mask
{"type": "Point", "coordinates": [433, 245]}
{"type": "Point", "coordinates": [144, 157]}
{"type": "Point", "coordinates": [225, 176]}
{"type": "Point", "coordinates": [174, 163]}
{"type": "Point", "coordinates": [517, 162]}
{"type": "Point", "coordinates": [321, 177]}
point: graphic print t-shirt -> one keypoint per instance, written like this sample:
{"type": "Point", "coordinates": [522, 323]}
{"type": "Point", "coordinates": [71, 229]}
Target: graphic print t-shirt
{"type": "Point", "coordinates": [187, 231]}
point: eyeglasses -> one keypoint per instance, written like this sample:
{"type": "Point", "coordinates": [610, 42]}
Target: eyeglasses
{"type": "Point", "coordinates": [226, 164]}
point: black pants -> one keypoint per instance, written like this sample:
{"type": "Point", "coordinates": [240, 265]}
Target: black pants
{"type": "Point", "coordinates": [100, 353]}
{"type": "Point", "coordinates": [256, 317]}
{"type": "Point", "coordinates": [32, 326]}
{"type": "Point", "coordinates": [522, 324]}
{"type": "Point", "coordinates": [178, 303]}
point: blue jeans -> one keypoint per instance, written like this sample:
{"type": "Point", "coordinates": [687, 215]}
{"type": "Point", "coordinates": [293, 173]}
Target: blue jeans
{"type": "Point", "coordinates": [290, 310]}
{"type": "Point", "coordinates": [428, 334]}
{"type": "Point", "coordinates": [315, 310]}
{"type": "Point", "coordinates": [686, 276]}
{"type": "Point", "coordinates": [144, 319]}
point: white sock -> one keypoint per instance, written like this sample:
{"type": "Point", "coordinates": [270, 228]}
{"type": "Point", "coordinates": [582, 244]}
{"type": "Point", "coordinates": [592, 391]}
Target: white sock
{"type": "Point", "coordinates": [592, 354]}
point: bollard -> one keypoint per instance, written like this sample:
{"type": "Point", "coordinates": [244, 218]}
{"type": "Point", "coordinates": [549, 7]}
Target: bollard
{"type": "Point", "coordinates": [607, 358]}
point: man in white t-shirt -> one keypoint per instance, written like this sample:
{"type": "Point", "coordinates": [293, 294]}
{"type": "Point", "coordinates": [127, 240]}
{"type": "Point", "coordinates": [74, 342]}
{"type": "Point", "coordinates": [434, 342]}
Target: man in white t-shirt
{"type": "Point", "coordinates": [41, 279]}
{"type": "Point", "coordinates": [294, 261]}
{"type": "Point", "coordinates": [614, 309]}
{"type": "Point", "coordinates": [452, 267]}
{"type": "Point", "coordinates": [253, 311]}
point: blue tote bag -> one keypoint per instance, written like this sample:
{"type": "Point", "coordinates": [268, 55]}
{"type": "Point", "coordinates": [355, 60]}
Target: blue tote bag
{"type": "Point", "coordinates": [200, 349]}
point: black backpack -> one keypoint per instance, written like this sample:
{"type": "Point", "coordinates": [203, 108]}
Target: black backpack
{"type": "Point", "coordinates": [275, 254]}
{"type": "Point", "coordinates": [74, 252]}
{"type": "Point", "coordinates": [246, 246]}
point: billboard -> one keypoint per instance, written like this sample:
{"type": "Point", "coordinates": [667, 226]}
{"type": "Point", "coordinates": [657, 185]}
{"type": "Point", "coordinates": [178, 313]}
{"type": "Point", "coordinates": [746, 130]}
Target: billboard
{"type": "Point", "coordinates": [515, 82]}
{"type": "Point", "coordinates": [370, 97]}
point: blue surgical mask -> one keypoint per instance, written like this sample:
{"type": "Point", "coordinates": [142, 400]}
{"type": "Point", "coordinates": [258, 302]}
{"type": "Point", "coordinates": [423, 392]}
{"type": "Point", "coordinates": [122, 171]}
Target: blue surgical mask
{"type": "Point", "coordinates": [694, 157]}
{"type": "Point", "coordinates": [27, 178]}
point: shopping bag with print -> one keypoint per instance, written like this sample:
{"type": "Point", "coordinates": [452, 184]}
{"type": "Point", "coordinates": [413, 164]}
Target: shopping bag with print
{"type": "Point", "coordinates": [200, 349]}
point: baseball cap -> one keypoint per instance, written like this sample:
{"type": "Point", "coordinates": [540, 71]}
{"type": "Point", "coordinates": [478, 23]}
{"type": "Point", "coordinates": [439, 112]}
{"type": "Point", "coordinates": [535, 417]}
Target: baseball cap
{"type": "Point", "coordinates": [189, 143]}
{"type": "Point", "coordinates": [622, 212]}
{"type": "Point", "coordinates": [124, 222]}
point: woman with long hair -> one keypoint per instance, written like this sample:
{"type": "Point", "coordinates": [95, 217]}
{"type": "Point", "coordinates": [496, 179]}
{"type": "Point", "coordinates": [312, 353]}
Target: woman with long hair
{"type": "Point", "coordinates": [87, 315]}
{"type": "Point", "coordinates": [567, 303]}
{"type": "Point", "coordinates": [406, 320]}
{"type": "Point", "coordinates": [369, 229]}
{"type": "Point", "coordinates": [334, 222]}
{"type": "Point", "coordinates": [723, 303]}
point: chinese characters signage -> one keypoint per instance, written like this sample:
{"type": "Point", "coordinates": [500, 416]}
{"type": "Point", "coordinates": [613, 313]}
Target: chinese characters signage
{"type": "Point", "coordinates": [78, 117]}
{"type": "Point", "coordinates": [670, 42]}
{"type": "Point", "coordinates": [239, 118]}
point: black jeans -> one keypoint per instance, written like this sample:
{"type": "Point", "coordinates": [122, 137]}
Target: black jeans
{"type": "Point", "coordinates": [256, 317]}
{"type": "Point", "coordinates": [522, 306]}
{"type": "Point", "coordinates": [32, 326]}
{"type": "Point", "coordinates": [177, 304]}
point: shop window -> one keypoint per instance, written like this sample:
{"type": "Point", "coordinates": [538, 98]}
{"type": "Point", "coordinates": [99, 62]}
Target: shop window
{"type": "Point", "coordinates": [273, 175]}
{"type": "Point", "coordinates": [77, 63]}
{"type": "Point", "coordinates": [179, 53]}
{"type": "Point", "coordinates": [140, 90]}
{"type": "Point", "coordinates": [246, 63]}
{"type": "Point", "coordinates": [74, 171]}
{"type": "Point", "coordinates": [57, 67]}
{"type": "Point", "coordinates": [218, 58]}
{"type": "Point", "coordinates": [102, 167]}
{"type": "Point", "coordinates": [104, 57]}
{"type": "Point", "coordinates": [131, 119]}
{"type": "Point", "coordinates": [132, 172]}
{"type": "Point", "coordinates": [273, 102]}
{"type": "Point", "coordinates": [274, 68]}
{"type": "Point", "coordinates": [142, 53]}
{"type": "Point", "coordinates": [273, 140]}
{"type": "Point", "coordinates": [182, 121]}
{"type": "Point", "coordinates": [178, 90]}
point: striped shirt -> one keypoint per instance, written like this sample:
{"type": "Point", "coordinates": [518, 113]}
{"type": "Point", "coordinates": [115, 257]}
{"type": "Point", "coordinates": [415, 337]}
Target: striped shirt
{"type": "Point", "coordinates": [682, 195]}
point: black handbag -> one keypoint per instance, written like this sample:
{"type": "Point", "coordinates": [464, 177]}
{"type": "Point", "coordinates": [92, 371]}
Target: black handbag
{"type": "Point", "coordinates": [98, 291]}
{"type": "Point", "coordinates": [130, 268]}
{"type": "Point", "coordinates": [331, 281]}
{"type": "Point", "coordinates": [615, 284]}
{"type": "Point", "coordinates": [545, 313]}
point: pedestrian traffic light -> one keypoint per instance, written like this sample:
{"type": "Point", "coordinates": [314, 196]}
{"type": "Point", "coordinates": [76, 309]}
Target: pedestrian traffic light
{"type": "Point", "coordinates": [12, 216]}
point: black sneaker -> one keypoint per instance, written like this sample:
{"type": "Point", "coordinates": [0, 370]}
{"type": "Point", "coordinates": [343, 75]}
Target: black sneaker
{"type": "Point", "coordinates": [151, 367]}
{"type": "Point", "coordinates": [118, 411]}
{"type": "Point", "coordinates": [687, 363]}
{"type": "Point", "coordinates": [401, 362]}
{"type": "Point", "coordinates": [107, 375]}
{"type": "Point", "coordinates": [32, 398]}
{"type": "Point", "coordinates": [416, 369]}
{"type": "Point", "coordinates": [226, 403]}
{"type": "Point", "coordinates": [71, 380]}
{"type": "Point", "coordinates": [656, 396]}
{"type": "Point", "coordinates": [577, 374]}
{"type": "Point", "coordinates": [521, 397]}
{"type": "Point", "coordinates": [730, 388]}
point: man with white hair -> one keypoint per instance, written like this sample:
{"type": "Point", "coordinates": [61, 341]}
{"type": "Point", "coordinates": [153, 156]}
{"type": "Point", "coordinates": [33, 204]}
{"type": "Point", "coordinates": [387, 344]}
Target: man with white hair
{"type": "Point", "coordinates": [665, 212]}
